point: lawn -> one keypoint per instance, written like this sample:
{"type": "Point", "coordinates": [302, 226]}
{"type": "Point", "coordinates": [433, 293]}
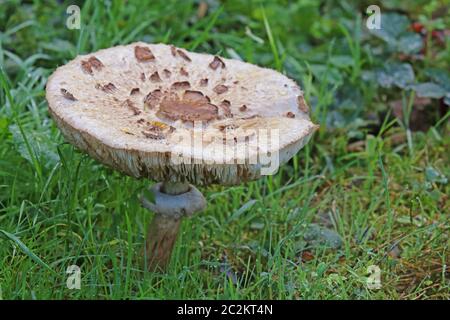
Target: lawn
{"type": "Point", "coordinates": [367, 199]}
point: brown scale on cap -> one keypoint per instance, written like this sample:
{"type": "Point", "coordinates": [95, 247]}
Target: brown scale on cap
{"type": "Point", "coordinates": [167, 73]}
{"type": "Point", "coordinates": [134, 91]}
{"type": "Point", "coordinates": [193, 95]}
{"type": "Point", "coordinates": [153, 98]}
{"type": "Point", "coordinates": [155, 77]}
{"type": "Point", "coordinates": [183, 72]}
{"type": "Point", "coordinates": [302, 106]}
{"type": "Point", "coordinates": [90, 64]}
{"type": "Point", "coordinates": [243, 108]}
{"type": "Point", "coordinates": [290, 115]}
{"type": "Point", "coordinates": [108, 88]}
{"type": "Point", "coordinates": [173, 51]}
{"type": "Point", "coordinates": [130, 105]}
{"type": "Point", "coordinates": [142, 77]}
{"type": "Point", "coordinates": [183, 55]}
{"type": "Point", "coordinates": [221, 88]}
{"type": "Point", "coordinates": [66, 94]}
{"type": "Point", "coordinates": [204, 82]}
{"type": "Point", "coordinates": [143, 54]}
{"type": "Point", "coordinates": [225, 105]}
{"type": "Point", "coordinates": [86, 66]}
{"type": "Point", "coordinates": [181, 85]}
{"type": "Point", "coordinates": [216, 63]}
{"type": "Point", "coordinates": [95, 63]}
{"type": "Point", "coordinates": [193, 106]}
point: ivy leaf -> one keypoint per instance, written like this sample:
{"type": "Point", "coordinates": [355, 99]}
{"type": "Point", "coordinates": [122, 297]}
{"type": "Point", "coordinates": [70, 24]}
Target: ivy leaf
{"type": "Point", "coordinates": [394, 31]}
{"type": "Point", "coordinates": [392, 26]}
{"type": "Point", "coordinates": [410, 43]}
{"type": "Point", "coordinates": [439, 76]}
{"type": "Point", "coordinates": [345, 109]}
{"type": "Point", "coordinates": [396, 74]}
{"type": "Point", "coordinates": [429, 90]}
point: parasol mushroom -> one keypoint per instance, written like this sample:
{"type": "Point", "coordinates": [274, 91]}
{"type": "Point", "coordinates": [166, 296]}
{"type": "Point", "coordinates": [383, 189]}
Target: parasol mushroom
{"type": "Point", "coordinates": [180, 118]}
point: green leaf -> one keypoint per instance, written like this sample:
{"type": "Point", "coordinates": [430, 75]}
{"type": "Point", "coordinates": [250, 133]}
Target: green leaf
{"type": "Point", "coordinates": [396, 74]}
{"type": "Point", "coordinates": [392, 26]}
{"type": "Point", "coordinates": [318, 236]}
{"type": "Point", "coordinates": [394, 31]}
{"type": "Point", "coordinates": [42, 147]}
{"type": "Point", "coordinates": [410, 43]}
{"type": "Point", "coordinates": [434, 176]}
{"type": "Point", "coordinates": [429, 90]}
{"type": "Point", "coordinates": [439, 76]}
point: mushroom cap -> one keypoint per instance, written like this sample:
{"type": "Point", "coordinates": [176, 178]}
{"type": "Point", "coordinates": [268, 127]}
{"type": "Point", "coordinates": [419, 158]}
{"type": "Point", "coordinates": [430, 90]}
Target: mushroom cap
{"type": "Point", "coordinates": [156, 111]}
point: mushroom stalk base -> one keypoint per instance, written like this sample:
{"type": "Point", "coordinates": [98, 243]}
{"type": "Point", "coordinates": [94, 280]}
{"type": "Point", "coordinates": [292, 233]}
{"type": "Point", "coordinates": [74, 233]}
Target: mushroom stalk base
{"type": "Point", "coordinates": [162, 235]}
{"type": "Point", "coordinates": [173, 200]}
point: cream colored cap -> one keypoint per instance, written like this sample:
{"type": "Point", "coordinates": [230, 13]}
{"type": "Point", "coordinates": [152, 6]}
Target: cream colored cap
{"type": "Point", "coordinates": [160, 112]}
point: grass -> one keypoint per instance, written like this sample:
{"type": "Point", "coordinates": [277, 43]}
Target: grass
{"type": "Point", "coordinates": [382, 191]}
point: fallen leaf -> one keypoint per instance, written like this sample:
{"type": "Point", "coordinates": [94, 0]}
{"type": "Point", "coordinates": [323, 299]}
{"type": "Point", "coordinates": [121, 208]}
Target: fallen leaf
{"type": "Point", "coordinates": [307, 256]}
{"type": "Point", "coordinates": [317, 236]}
{"type": "Point", "coordinates": [357, 146]}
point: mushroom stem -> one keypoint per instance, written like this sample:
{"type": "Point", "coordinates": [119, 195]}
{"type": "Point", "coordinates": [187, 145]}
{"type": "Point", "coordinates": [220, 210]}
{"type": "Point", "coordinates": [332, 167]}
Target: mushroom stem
{"type": "Point", "coordinates": [173, 200]}
{"type": "Point", "coordinates": [162, 234]}
{"type": "Point", "coordinates": [175, 188]}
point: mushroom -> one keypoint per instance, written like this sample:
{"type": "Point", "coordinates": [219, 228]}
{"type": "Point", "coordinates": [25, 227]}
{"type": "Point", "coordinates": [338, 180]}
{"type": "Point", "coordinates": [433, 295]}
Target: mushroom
{"type": "Point", "coordinates": [220, 121]}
